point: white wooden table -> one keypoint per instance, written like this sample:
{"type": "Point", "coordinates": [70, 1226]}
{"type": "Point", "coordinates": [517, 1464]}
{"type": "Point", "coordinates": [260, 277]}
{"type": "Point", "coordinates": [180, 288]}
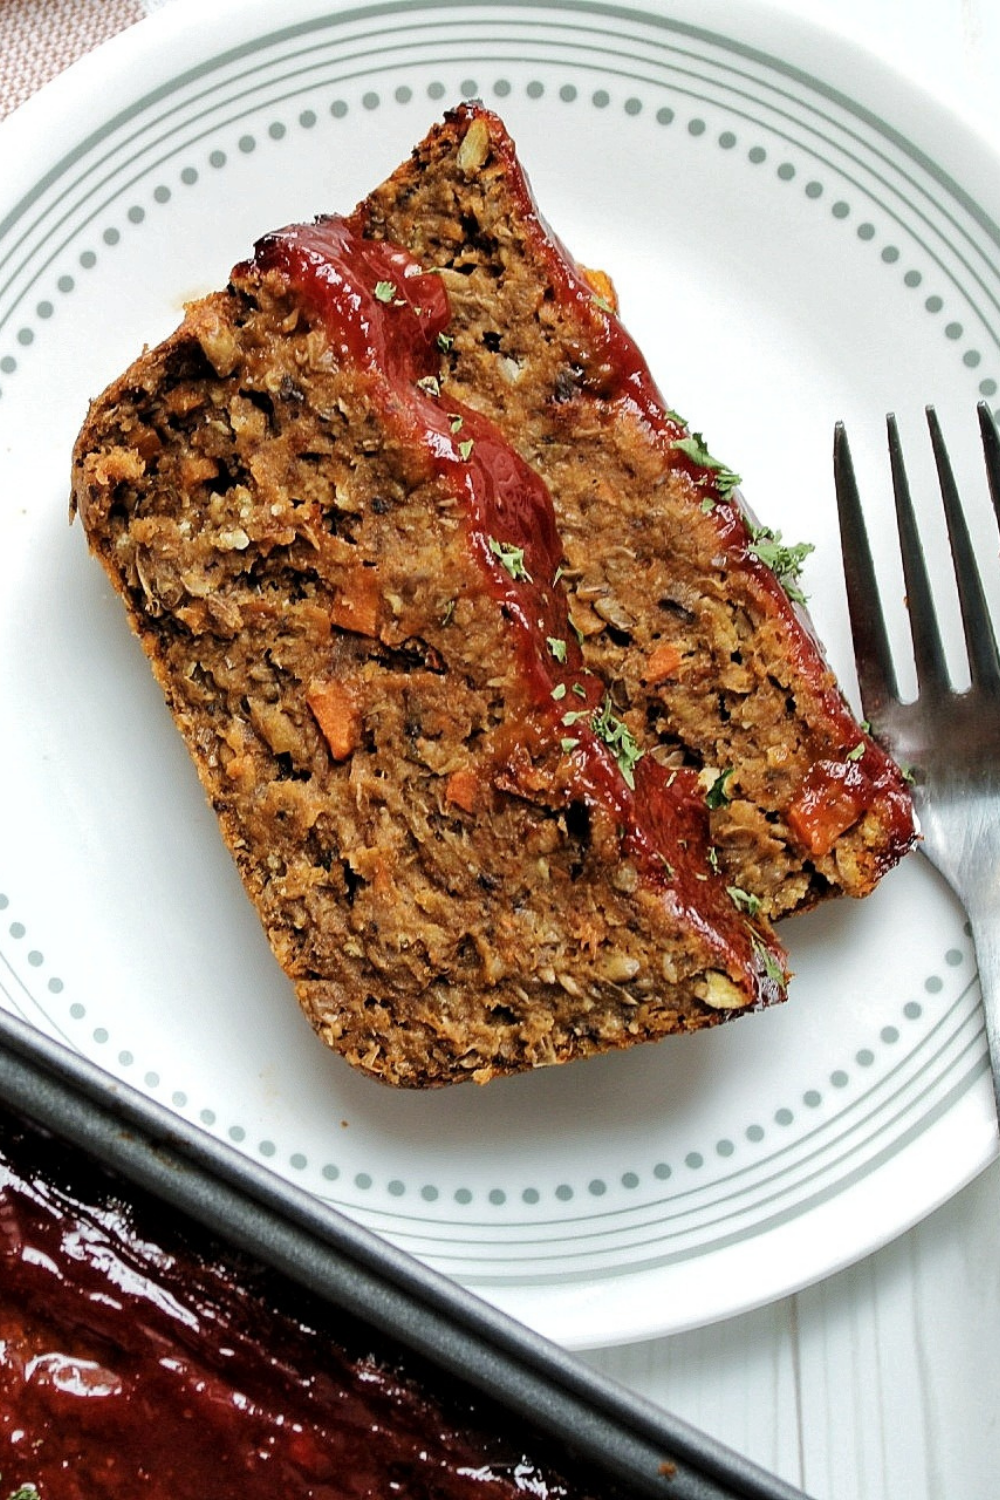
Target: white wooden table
{"type": "Point", "coordinates": [883, 1382]}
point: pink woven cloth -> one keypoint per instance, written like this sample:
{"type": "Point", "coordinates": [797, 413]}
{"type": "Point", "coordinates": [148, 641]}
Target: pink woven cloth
{"type": "Point", "coordinates": [38, 38]}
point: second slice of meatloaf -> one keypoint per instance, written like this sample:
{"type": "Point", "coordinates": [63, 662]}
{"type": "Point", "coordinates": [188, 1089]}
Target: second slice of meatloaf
{"type": "Point", "coordinates": [709, 661]}
{"type": "Point", "coordinates": [347, 585]}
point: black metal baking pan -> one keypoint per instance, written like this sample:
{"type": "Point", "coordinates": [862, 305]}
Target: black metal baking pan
{"type": "Point", "coordinates": [627, 1444]}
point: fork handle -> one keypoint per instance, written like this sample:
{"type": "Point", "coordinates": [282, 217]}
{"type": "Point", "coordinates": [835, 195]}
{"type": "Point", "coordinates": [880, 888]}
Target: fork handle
{"type": "Point", "coordinates": [983, 908]}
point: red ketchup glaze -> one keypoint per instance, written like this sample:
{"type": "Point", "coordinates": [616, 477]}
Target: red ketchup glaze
{"type": "Point", "coordinates": [139, 1359]}
{"type": "Point", "coordinates": [621, 375]}
{"type": "Point", "coordinates": [384, 314]}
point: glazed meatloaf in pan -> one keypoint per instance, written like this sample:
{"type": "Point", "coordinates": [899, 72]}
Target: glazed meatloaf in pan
{"type": "Point", "coordinates": [687, 607]}
{"type": "Point", "coordinates": [177, 1322]}
{"type": "Point", "coordinates": [482, 833]}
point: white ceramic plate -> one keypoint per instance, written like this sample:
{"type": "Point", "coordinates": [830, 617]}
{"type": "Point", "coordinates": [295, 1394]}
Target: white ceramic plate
{"type": "Point", "coordinates": [796, 238]}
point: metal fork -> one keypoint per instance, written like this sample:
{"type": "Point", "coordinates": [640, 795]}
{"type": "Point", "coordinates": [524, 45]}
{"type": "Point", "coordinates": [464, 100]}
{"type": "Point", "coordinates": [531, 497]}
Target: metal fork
{"type": "Point", "coordinates": [949, 741]}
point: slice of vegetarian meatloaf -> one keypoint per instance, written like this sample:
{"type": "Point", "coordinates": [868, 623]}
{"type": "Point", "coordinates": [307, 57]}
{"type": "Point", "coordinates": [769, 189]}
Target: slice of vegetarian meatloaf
{"type": "Point", "coordinates": [348, 585]}
{"type": "Point", "coordinates": [704, 652]}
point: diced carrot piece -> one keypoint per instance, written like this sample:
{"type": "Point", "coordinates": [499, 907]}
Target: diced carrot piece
{"type": "Point", "coordinates": [662, 662]}
{"type": "Point", "coordinates": [337, 715]}
{"type": "Point", "coordinates": [462, 788]}
{"type": "Point", "coordinates": [601, 285]}
{"type": "Point", "coordinates": [357, 606]}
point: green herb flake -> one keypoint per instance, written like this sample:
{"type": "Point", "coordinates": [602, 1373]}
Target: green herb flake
{"type": "Point", "coordinates": [509, 556]}
{"type": "Point", "coordinates": [457, 422]}
{"type": "Point", "coordinates": [449, 610]}
{"type": "Point", "coordinates": [718, 793]}
{"type": "Point", "coordinates": [857, 752]}
{"type": "Point", "coordinates": [579, 690]}
{"type": "Point", "coordinates": [444, 342]}
{"type": "Point", "coordinates": [770, 964]}
{"type": "Point", "coordinates": [784, 561]}
{"type": "Point", "coordinates": [619, 739]}
{"type": "Point", "coordinates": [430, 385]}
{"type": "Point", "coordinates": [713, 858]}
{"type": "Point", "coordinates": [602, 303]}
{"type": "Point", "coordinates": [725, 479]}
{"type": "Point", "coordinates": [557, 646]}
{"type": "Point", "coordinates": [568, 744]}
{"type": "Point", "coordinates": [559, 692]}
{"type": "Point", "coordinates": [675, 417]}
{"type": "Point", "coordinates": [744, 901]}
{"type": "Point", "coordinates": [465, 449]}
{"type": "Point", "coordinates": [385, 291]}
{"type": "Point", "coordinates": [25, 1492]}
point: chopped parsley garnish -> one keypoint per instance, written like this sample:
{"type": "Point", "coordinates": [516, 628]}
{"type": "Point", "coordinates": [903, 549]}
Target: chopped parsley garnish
{"type": "Point", "coordinates": [601, 302]}
{"type": "Point", "coordinates": [559, 692]}
{"type": "Point", "coordinates": [718, 793]}
{"type": "Point", "coordinates": [466, 448]}
{"type": "Point", "coordinates": [25, 1492]}
{"type": "Point", "coordinates": [743, 900]}
{"type": "Point", "coordinates": [772, 968]}
{"type": "Point", "coordinates": [619, 739]}
{"type": "Point", "coordinates": [509, 556]}
{"type": "Point", "coordinates": [557, 646]}
{"type": "Point", "coordinates": [611, 731]}
{"type": "Point", "coordinates": [857, 752]}
{"type": "Point", "coordinates": [568, 744]}
{"type": "Point", "coordinates": [430, 385]}
{"type": "Point", "coordinates": [385, 291]}
{"type": "Point", "coordinates": [444, 342]}
{"type": "Point", "coordinates": [694, 446]}
{"type": "Point", "coordinates": [457, 422]}
{"type": "Point", "coordinates": [579, 690]}
{"type": "Point", "coordinates": [785, 562]}
{"type": "Point", "coordinates": [449, 610]}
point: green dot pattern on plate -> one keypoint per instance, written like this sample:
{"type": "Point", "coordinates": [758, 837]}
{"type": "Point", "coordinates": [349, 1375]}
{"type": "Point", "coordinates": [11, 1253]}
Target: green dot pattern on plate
{"type": "Point", "coordinates": [601, 98]}
{"type": "Point", "coordinates": [596, 1187]}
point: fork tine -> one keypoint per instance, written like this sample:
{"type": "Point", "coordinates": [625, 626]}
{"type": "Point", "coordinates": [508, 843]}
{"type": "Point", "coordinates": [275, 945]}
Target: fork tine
{"type": "Point", "coordinates": [980, 640]}
{"type": "Point", "coordinates": [928, 652]}
{"type": "Point", "coordinates": [991, 452]}
{"type": "Point", "coordinates": [876, 674]}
